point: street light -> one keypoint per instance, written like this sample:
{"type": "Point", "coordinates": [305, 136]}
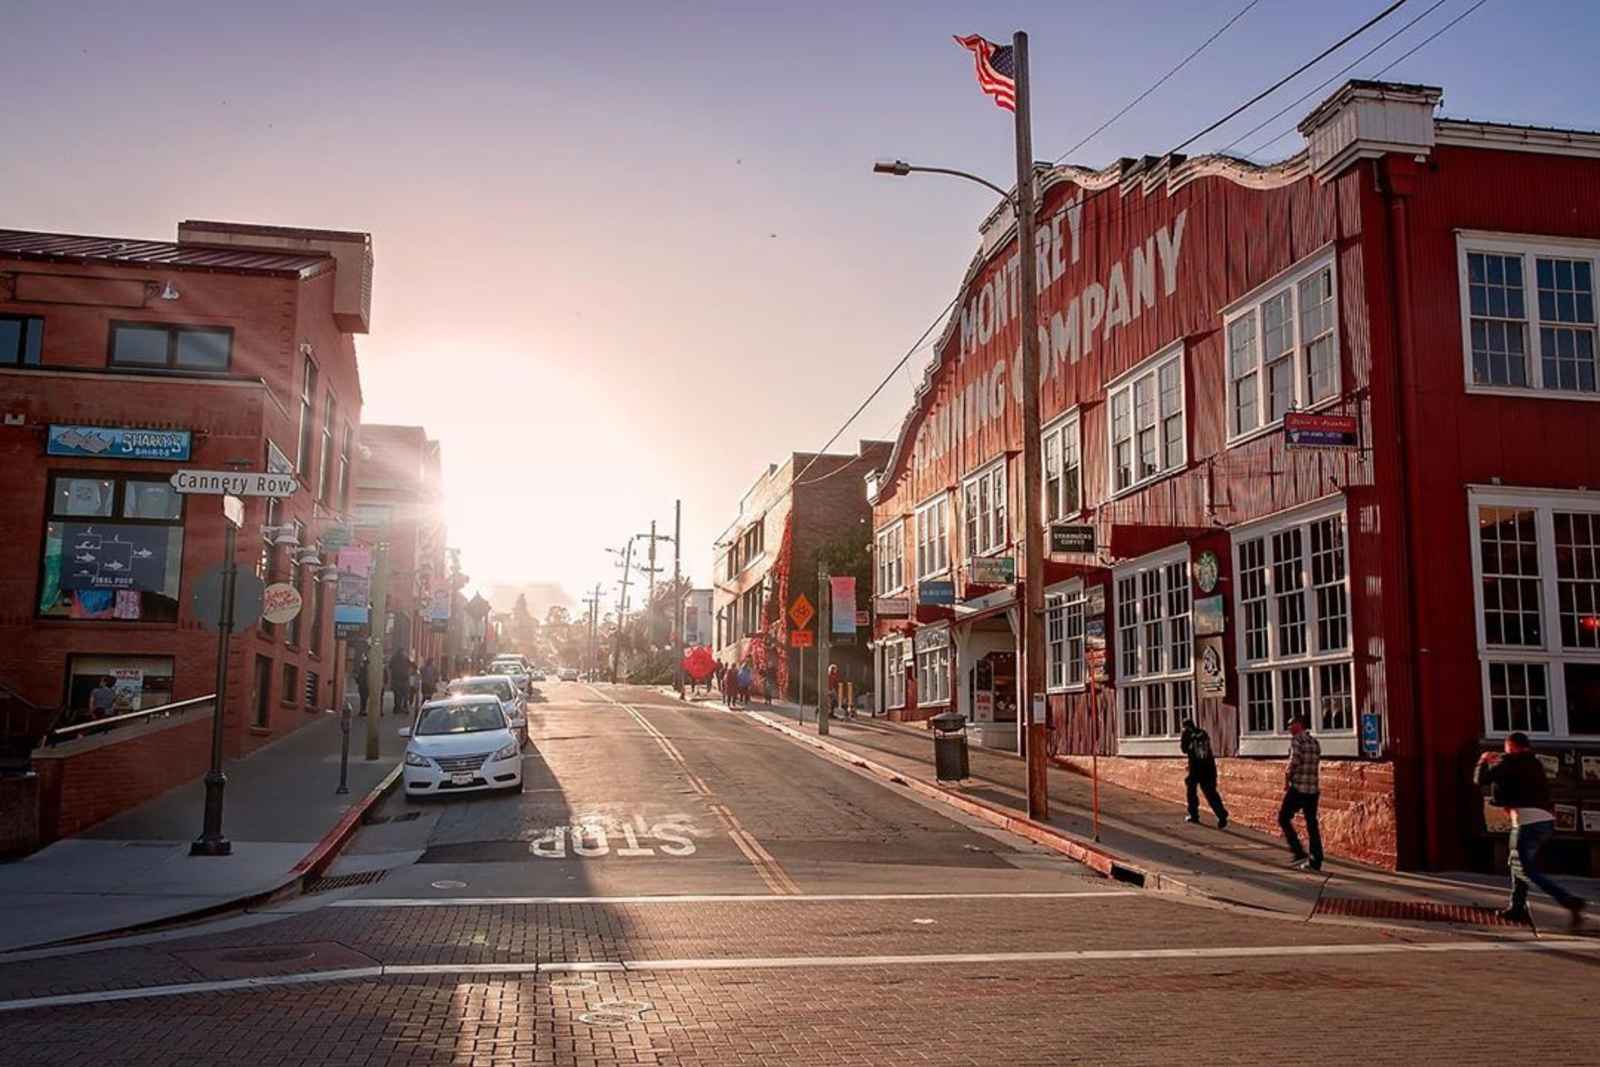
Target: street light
{"type": "Point", "coordinates": [900, 168]}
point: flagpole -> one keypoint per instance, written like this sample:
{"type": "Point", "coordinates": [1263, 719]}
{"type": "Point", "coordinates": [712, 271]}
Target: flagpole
{"type": "Point", "coordinates": [1033, 644]}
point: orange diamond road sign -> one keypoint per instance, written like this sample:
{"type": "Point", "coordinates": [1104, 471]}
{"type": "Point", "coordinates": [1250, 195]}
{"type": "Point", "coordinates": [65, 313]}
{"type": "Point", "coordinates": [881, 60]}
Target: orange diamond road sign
{"type": "Point", "coordinates": [801, 612]}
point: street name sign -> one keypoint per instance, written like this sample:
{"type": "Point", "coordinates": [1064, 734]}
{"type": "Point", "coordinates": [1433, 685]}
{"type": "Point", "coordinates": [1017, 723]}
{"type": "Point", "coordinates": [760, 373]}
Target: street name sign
{"type": "Point", "coordinates": [239, 483]}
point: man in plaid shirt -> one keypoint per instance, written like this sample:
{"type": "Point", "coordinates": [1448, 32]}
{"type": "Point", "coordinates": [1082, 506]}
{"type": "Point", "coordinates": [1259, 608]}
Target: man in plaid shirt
{"type": "Point", "coordinates": [1300, 793]}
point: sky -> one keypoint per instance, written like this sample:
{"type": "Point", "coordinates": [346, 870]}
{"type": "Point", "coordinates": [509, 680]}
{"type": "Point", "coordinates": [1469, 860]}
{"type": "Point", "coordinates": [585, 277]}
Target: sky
{"type": "Point", "coordinates": [633, 252]}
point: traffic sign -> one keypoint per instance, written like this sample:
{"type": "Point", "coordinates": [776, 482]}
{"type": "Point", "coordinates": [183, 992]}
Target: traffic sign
{"type": "Point", "coordinates": [207, 599]}
{"type": "Point", "coordinates": [801, 639]}
{"type": "Point", "coordinates": [233, 510]}
{"type": "Point", "coordinates": [239, 483]}
{"type": "Point", "coordinates": [801, 612]}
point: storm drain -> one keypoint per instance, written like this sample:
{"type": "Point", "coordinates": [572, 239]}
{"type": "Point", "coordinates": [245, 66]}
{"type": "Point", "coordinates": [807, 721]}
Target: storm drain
{"type": "Point", "coordinates": [342, 881]}
{"type": "Point", "coordinates": [281, 954]}
{"type": "Point", "coordinates": [1410, 911]}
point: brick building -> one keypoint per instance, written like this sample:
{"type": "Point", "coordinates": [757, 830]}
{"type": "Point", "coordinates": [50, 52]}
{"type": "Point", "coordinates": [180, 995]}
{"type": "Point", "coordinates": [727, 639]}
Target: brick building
{"type": "Point", "coordinates": [1321, 437]}
{"type": "Point", "coordinates": [400, 502]}
{"type": "Point", "coordinates": [121, 361]}
{"type": "Point", "coordinates": [768, 556]}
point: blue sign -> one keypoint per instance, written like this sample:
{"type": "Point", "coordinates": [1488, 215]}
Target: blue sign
{"type": "Point", "coordinates": [112, 442]}
{"type": "Point", "coordinates": [1371, 734]}
{"type": "Point", "coordinates": [936, 592]}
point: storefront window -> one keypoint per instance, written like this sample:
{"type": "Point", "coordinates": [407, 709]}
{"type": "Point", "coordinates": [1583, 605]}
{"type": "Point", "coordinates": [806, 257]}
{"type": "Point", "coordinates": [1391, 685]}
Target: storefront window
{"type": "Point", "coordinates": [933, 674]}
{"type": "Point", "coordinates": [123, 569]}
{"type": "Point", "coordinates": [1063, 615]}
{"type": "Point", "coordinates": [139, 682]}
{"type": "Point", "coordinates": [894, 674]}
{"type": "Point", "coordinates": [1155, 682]}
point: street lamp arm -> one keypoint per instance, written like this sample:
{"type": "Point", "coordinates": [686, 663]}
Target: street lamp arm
{"type": "Point", "coordinates": [901, 168]}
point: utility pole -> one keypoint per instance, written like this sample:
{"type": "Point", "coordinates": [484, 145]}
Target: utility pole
{"type": "Point", "coordinates": [591, 661]}
{"type": "Point", "coordinates": [377, 616]}
{"type": "Point", "coordinates": [677, 596]}
{"type": "Point", "coordinates": [622, 607]}
{"type": "Point", "coordinates": [1033, 688]}
{"type": "Point", "coordinates": [824, 642]}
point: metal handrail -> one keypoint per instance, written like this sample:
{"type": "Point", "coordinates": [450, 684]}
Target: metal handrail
{"type": "Point", "coordinates": [129, 716]}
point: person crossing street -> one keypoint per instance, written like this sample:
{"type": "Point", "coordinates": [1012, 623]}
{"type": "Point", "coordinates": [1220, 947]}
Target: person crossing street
{"type": "Point", "coordinates": [1516, 781]}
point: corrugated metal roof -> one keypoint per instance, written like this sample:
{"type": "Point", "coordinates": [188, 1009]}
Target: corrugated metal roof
{"type": "Point", "coordinates": [75, 248]}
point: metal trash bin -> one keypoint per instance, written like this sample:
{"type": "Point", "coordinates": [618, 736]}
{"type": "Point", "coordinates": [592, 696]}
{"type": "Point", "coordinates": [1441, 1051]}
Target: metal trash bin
{"type": "Point", "coordinates": [950, 747]}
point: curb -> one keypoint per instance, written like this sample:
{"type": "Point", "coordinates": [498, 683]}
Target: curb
{"type": "Point", "coordinates": [1091, 855]}
{"type": "Point", "coordinates": [311, 864]}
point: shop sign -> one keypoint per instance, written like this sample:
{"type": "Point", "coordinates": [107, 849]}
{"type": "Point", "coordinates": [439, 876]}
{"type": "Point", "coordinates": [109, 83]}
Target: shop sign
{"type": "Point", "coordinates": [280, 603]}
{"type": "Point", "coordinates": [930, 640]}
{"type": "Point", "coordinates": [1208, 615]}
{"type": "Point", "coordinates": [353, 591]}
{"type": "Point", "coordinates": [106, 442]}
{"type": "Point", "coordinates": [1094, 600]}
{"type": "Point", "coordinates": [1210, 666]}
{"type": "Point", "coordinates": [992, 570]}
{"type": "Point", "coordinates": [1071, 537]}
{"type": "Point", "coordinates": [936, 593]}
{"type": "Point", "coordinates": [239, 483]}
{"type": "Point", "coordinates": [894, 606]}
{"type": "Point", "coordinates": [439, 610]}
{"type": "Point", "coordinates": [1206, 571]}
{"type": "Point", "coordinates": [1302, 429]}
{"type": "Point", "coordinates": [1094, 648]}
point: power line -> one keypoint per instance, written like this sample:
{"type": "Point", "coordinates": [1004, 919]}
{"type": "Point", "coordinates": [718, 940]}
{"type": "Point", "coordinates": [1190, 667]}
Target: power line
{"type": "Point", "coordinates": [1432, 37]}
{"type": "Point", "coordinates": [1130, 105]}
{"type": "Point", "coordinates": [1275, 116]}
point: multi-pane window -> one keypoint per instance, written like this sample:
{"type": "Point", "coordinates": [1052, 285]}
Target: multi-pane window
{"type": "Point", "coordinates": [308, 403]}
{"type": "Point", "coordinates": [1063, 470]}
{"type": "Point", "coordinates": [1155, 678]}
{"type": "Point", "coordinates": [1147, 422]}
{"type": "Point", "coordinates": [1537, 560]}
{"type": "Point", "coordinates": [153, 346]}
{"type": "Point", "coordinates": [933, 672]}
{"type": "Point", "coordinates": [330, 408]}
{"type": "Point", "coordinates": [891, 557]}
{"type": "Point", "coordinates": [985, 498]}
{"type": "Point", "coordinates": [21, 340]}
{"type": "Point", "coordinates": [1063, 620]}
{"type": "Point", "coordinates": [1529, 313]}
{"type": "Point", "coordinates": [113, 548]}
{"type": "Point", "coordinates": [344, 466]}
{"type": "Point", "coordinates": [933, 540]}
{"type": "Point", "coordinates": [894, 674]}
{"type": "Point", "coordinates": [1283, 347]}
{"type": "Point", "coordinates": [753, 543]}
{"type": "Point", "coordinates": [1293, 601]}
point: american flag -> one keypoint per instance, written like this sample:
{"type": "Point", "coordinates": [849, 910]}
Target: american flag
{"type": "Point", "coordinates": [996, 72]}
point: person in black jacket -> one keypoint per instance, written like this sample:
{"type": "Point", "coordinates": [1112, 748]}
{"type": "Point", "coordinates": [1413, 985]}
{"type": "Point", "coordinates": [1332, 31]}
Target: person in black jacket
{"type": "Point", "coordinates": [1517, 782]}
{"type": "Point", "coordinates": [1196, 744]}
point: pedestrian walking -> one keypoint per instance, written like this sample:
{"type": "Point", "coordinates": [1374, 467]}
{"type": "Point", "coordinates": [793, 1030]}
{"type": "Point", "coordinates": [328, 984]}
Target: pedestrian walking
{"type": "Point", "coordinates": [833, 688]}
{"type": "Point", "coordinates": [1517, 782]}
{"type": "Point", "coordinates": [430, 680]}
{"type": "Point", "coordinates": [400, 681]}
{"type": "Point", "coordinates": [1301, 792]}
{"type": "Point", "coordinates": [363, 683]}
{"type": "Point", "coordinates": [1202, 776]}
{"type": "Point", "coordinates": [746, 681]}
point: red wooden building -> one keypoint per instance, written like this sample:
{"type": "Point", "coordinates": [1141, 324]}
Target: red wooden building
{"type": "Point", "coordinates": [1418, 570]}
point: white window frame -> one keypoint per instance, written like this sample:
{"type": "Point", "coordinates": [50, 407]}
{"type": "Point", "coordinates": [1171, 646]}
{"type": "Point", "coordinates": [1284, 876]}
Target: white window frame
{"type": "Point", "coordinates": [894, 672]}
{"type": "Point", "coordinates": [1275, 742]}
{"type": "Point", "coordinates": [933, 674]}
{"type": "Point", "coordinates": [891, 558]}
{"type": "Point", "coordinates": [1529, 249]}
{"type": "Point", "coordinates": [1249, 307]}
{"type": "Point", "coordinates": [993, 524]}
{"type": "Point", "coordinates": [1065, 612]}
{"type": "Point", "coordinates": [1174, 669]}
{"type": "Point", "coordinates": [1551, 653]}
{"type": "Point", "coordinates": [1124, 390]}
{"type": "Point", "coordinates": [926, 545]}
{"type": "Point", "coordinates": [1067, 428]}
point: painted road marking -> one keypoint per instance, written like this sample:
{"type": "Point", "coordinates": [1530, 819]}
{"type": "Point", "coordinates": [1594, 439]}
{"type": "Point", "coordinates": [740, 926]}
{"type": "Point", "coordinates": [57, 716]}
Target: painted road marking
{"type": "Point", "coordinates": [711, 898]}
{"type": "Point", "coordinates": [403, 970]}
{"type": "Point", "coordinates": [771, 872]}
{"type": "Point", "coordinates": [593, 836]}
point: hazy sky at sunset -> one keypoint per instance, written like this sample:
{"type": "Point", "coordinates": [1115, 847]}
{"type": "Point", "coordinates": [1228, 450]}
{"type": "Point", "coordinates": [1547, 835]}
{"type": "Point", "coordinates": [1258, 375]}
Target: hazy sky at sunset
{"type": "Point", "coordinates": [633, 251]}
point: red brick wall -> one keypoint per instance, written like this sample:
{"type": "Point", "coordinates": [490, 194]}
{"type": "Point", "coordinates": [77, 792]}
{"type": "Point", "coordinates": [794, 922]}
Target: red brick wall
{"type": "Point", "coordinates": [1356, 813]}
{"type": "Point", "coordinates": [97, 778]}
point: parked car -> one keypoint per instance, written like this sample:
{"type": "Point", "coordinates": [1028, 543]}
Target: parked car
{"type": "Point", "coordinates": [503, 688]}
{"type": "Point", "coordinates": [461, 744]}
{"type": "Point", "coordinates": [514, 670]}
{"type": "Point", "coordinates": [569, 674]}
{"type": "Point", "coordinates": [537, 675]}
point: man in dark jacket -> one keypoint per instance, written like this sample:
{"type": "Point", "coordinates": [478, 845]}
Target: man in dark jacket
{"type": "Point", "coordinates": [1196, 744]}
{"type": "Point", "coordinates": [1517, 782]}
{"type": "Point", "coordinates": [400, 681]}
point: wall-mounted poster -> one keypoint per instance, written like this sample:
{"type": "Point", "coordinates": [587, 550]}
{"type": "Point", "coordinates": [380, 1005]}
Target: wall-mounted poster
{"type": "Point", "coordinates": [1566, 817]}
{"type": "Point", "coordinates": [1591, 820]}
{"type": "Point", "coordinates": [1208, 615]}
{"type": "Point", "coordinates": [1591, 768]}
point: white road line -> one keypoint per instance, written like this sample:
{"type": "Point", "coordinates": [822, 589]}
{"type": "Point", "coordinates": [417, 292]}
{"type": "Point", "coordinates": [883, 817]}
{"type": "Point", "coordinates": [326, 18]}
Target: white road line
{"type": "Point", "coordinates": [710, 898]}
{"type": "Point", "coordinates": [790, 962]}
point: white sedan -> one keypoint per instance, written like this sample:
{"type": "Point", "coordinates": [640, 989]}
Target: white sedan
{"type": "Point", "coordinates": [462, 744]}
{"type": "Point", "coordinates": [505, 689]}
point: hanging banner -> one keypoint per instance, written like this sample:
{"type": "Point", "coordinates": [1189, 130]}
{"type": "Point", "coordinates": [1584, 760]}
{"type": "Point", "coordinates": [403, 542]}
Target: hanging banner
{"type": "Point", "coordinates": [354, 591]}
{"type": "Point", "coordinates": [842, 602]}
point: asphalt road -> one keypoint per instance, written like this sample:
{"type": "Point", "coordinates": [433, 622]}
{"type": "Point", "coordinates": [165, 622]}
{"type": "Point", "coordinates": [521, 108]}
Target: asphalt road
{"type": "Point", "coordinates": [681, 886]}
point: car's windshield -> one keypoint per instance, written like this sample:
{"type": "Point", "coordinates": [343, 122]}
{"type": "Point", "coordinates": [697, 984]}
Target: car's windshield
{"type": "Point", "coordinates": [508, 668]}
{"type": "Point", "coordinates": [460, 719]}
{"type": "Point", "coordinates": [493, 686]}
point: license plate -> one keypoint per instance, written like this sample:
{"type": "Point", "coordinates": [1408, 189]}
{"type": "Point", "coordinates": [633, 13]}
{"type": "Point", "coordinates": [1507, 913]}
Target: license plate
{"type": "Point", "coordinates": [461, 779]}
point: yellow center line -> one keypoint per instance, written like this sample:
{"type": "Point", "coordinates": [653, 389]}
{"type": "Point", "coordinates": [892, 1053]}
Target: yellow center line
{"type": "Point", "coordinates": [771, 872]}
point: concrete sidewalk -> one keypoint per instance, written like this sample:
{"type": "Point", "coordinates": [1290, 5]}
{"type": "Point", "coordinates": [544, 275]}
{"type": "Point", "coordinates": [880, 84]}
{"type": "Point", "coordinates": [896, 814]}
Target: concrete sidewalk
{"type": "Point", "coordinates": [280, 812]}
{"type": "Point", "coordinates": [1236, 866]}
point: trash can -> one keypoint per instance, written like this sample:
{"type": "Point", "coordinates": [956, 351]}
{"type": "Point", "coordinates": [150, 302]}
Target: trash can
{"type": "Point", "coordinates": [950, 747]}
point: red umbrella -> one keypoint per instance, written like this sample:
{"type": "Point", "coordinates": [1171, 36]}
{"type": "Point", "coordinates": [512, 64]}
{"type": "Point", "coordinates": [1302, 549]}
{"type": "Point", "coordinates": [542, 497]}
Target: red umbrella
{"type": "Point", "coordinates": [699, 663]}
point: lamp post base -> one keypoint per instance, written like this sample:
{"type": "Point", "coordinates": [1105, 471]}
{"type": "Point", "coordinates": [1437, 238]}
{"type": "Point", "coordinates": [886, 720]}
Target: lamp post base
{"type": "Point", "coordinates": [211, 842]}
